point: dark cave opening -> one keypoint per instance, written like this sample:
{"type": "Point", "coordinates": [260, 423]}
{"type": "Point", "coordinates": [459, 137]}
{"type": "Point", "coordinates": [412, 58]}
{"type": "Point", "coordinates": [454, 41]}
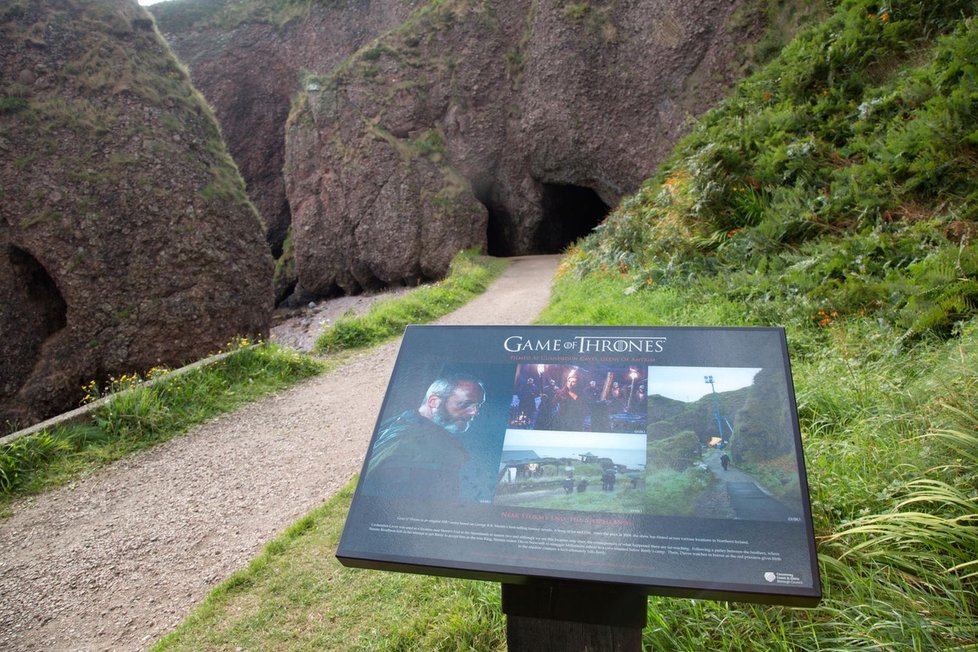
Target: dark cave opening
{"type": "Point", "coordinates": [499, 240]}
{"type": "Point", "coordinates": [569, 212]}
{"type": "Point", "coordinates": [44, 300]}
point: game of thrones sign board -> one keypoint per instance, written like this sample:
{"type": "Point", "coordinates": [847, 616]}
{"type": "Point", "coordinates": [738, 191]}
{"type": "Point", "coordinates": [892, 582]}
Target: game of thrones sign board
{"type": "Point", "coordinates": [662, 458]}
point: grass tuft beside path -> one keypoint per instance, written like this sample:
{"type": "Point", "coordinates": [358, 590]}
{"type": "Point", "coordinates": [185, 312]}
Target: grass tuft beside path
{"type": "Point", "coordinates": [469, 276]}
{"type": "Point", "coordinates": [142, 415]}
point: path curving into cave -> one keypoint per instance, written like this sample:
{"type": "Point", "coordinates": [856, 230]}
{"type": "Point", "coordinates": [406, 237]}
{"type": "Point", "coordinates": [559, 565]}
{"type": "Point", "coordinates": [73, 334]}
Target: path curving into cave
{"type": "Point", "coordinates": [116, 560]}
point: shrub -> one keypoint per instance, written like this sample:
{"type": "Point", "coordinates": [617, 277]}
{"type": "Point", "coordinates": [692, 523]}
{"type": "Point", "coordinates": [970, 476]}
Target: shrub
{"type": "Point", "coordinates": [678, 452]}
{"type": "Point", "coordinates": [13, 104]}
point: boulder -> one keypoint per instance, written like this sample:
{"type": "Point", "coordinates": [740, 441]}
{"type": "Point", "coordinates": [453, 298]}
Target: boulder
{"type": "Point", "coordinates": [249, 62]}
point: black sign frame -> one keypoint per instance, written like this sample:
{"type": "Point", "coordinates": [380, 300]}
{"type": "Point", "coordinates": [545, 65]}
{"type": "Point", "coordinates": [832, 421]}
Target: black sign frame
{"type": "Point", "coordinates": [502, 510]}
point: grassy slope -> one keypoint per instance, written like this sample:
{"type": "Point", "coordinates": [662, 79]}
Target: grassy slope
{"type": "Point", "coordinates": [837, 182]}
{"type": "Point", "coordinates": [834, 195]}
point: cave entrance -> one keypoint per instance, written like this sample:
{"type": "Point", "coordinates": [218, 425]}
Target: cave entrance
{"type": "Point", "coordinates": [44, 302]}
{"type": "Point", "coordinates": [569, 212]}
{"type": "Point", "coordinates": [499, 239]}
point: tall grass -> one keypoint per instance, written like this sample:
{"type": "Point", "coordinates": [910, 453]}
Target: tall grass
{"type": "Point", "coordinates": [837, 181]}
{"type": "Point", "coordinates": [891, 440]}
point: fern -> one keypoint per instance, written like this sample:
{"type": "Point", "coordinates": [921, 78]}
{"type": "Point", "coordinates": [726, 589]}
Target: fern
{"type": "Point", "coordinates": [953, 303]}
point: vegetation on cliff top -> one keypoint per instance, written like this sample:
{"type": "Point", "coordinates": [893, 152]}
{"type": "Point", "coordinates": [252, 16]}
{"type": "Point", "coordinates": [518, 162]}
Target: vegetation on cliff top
{"type": "Point", "coordinates": [183, 15]}
{"type": "Point", "coordinates": [102, 68]}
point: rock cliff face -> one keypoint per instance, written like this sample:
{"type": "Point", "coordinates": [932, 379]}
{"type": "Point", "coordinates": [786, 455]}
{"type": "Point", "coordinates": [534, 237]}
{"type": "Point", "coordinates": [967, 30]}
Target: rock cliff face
{"type": "Point", "coordinates": [126, 237]}
{"type": "Point", "coordinates": [248, 65]}
{"type": "Point", "coordinates": [511, 125]}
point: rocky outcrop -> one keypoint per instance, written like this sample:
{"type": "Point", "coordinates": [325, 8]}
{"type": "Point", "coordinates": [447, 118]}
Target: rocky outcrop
{"type": "Point", "coordinates": [126, 237]}
{"type": "Point", "coordinates": [467, 123]}
{"type": "Point", "coordinates": [248, 63]}
{"type": "Point", "coordinates": [510, 125]}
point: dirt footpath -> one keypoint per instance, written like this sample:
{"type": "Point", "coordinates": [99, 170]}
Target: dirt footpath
{"type": "Point", "coordinates": [116, 560]}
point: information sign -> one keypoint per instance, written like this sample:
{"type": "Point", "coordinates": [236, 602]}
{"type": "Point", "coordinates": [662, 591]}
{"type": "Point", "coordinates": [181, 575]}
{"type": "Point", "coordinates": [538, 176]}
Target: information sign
{"type": "Point", "coordinates": [667, 459]}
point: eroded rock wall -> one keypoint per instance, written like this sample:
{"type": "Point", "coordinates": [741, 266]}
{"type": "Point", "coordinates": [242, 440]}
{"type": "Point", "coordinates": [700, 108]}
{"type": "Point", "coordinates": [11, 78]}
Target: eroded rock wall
{"type": "Point", "coordinates": [126, 237]}
{"type": "Point", "coordinates": [461, 127]}
{"type": "Point", "coordinates": [249, 64]}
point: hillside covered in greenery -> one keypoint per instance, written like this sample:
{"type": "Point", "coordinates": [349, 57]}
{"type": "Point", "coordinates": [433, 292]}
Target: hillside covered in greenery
{"type": "Point", "coordinates": [834, 194]}
{"type": "Point", "coordinates": [838, 182]}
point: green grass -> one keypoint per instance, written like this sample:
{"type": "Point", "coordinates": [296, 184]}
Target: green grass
{"type": "Point", "coordinates": [147, 415]}
{"type": "Point", "coordinates": [624, 500]}
{"type": "Point", "coordinates": [13, 104]}
{"type": "Point", "coordinates": [296, 596]}
{"type": "Point", "coordinates": [468, 276]}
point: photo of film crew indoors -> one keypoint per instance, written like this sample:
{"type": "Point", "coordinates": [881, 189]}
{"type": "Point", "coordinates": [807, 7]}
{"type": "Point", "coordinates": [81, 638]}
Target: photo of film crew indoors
{"type": "Point", "coordinates": [708, 442]}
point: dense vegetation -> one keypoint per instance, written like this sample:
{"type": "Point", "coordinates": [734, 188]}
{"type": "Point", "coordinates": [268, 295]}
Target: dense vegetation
{"type": "Point", "coordinates": [837, 182]}
{"type": "Point", "coordinates": [833, 194]}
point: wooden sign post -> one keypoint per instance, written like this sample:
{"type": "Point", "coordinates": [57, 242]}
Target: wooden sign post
{"type": "Point", "coordinates": [573, 617]}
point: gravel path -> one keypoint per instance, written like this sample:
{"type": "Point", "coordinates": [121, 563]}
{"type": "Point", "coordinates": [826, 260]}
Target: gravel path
{"type": "Point", "coordinates": [116, 560]}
